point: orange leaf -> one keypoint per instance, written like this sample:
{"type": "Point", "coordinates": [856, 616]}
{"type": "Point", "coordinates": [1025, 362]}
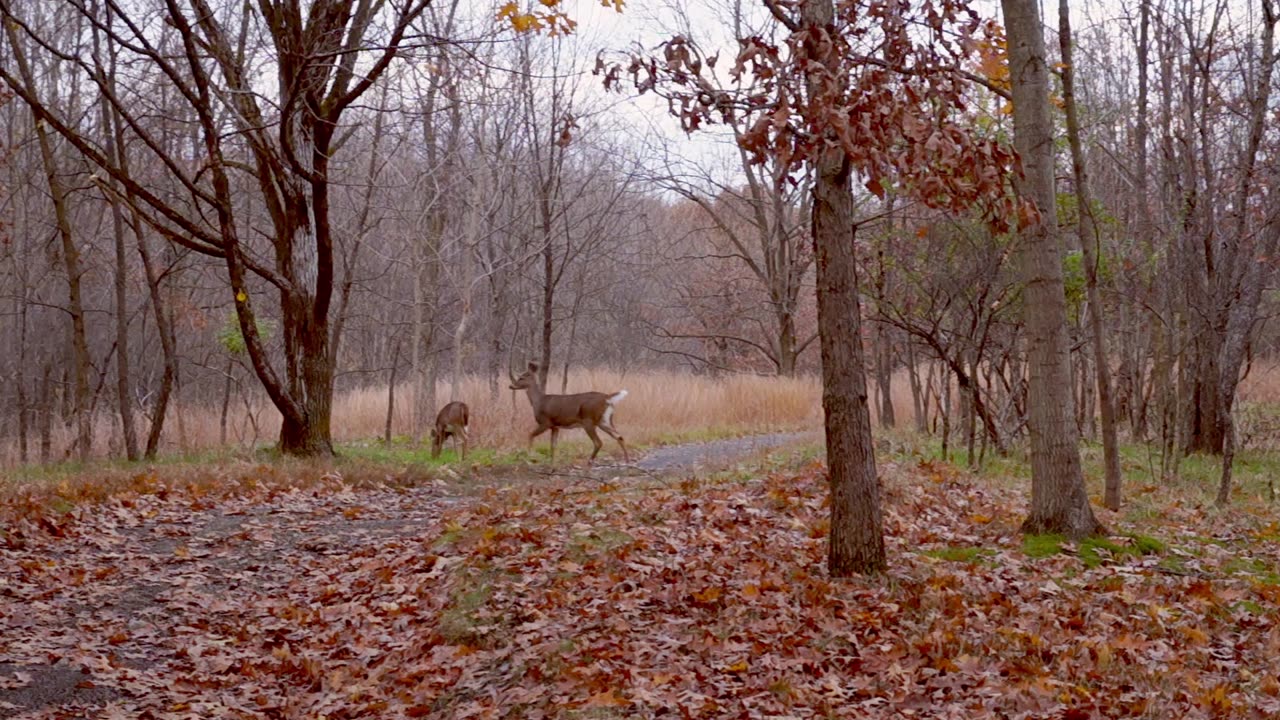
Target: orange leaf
{"type": "Point", "coordinates": [607, 698]}
{"type": "Point", "coordinates": [709, 595]}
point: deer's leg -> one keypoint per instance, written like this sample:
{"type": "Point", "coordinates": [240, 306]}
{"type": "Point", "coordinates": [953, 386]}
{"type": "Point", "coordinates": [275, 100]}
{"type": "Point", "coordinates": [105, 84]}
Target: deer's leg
{"type": "Point", "coordinates": [595, 440]}
{"type": "Point", "coordinates": [536, 432]}
{"type": "Point", "coordinates": [555, 435]}
{"type": "Point", "coordinates": [617, 436]}
{"type": "Point", "coordinates": [464, 442]}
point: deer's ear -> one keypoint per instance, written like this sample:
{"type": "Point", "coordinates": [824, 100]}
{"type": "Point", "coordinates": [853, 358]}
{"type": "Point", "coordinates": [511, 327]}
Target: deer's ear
{"type": "Point", "coordinates": [533, 367]}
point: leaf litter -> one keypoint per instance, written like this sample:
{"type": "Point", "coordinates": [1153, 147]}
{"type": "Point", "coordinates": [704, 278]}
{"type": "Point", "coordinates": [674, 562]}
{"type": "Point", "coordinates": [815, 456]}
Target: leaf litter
{"type": "Point", "coordinates": [582, 599]}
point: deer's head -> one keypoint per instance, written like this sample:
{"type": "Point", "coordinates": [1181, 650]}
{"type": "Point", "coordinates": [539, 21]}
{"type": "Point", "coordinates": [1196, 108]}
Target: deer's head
{"type": "Point", "coordinates": [527, 380]}
{"type": "Point", "coordinates": [437, 441]}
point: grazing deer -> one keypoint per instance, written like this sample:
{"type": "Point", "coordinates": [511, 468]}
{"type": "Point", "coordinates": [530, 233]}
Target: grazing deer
{"type": "Point", "coordinates": [452, 420]}
{"type": "Point", "coordinates": [588, 410]}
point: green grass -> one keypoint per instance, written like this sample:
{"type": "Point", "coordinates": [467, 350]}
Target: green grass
{"type": "Point", "coordinates": [56, 471]}
{"type": "Point", "coordinates": [369, 454]}
{"type": "Point", "coordinates": [960, 553]}
{"type": "Point", "coordinates": [1256, 569]}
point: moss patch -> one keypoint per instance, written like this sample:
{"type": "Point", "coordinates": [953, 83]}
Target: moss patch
{"type": "Point", "coordinates": [1040, 546]}
{"type": "Point", "coordinates": [1093, 551]}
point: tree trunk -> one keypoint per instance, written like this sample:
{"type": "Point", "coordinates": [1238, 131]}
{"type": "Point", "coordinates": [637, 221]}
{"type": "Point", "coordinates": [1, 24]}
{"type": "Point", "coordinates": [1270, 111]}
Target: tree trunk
{"type": "Point", "coordinates": [857, 535]}
{"type": "Point", "coordinates": [919, 402]}
{"type": "Point", "coordinates": [391, 397]}
{"type": "Point", "coordinates": [168, 344]}
{"type": "Point", "coordinates": [164, 328]}
{"type": "Point", "coordinates": [226, 404]}
{"type": "Point", "coordinates": [1246, 278]}
{"type": "Point", "coordinates": [1088, 236]}
{"type": "Point", "coordinates": [70, 257]}
{"type": "Point", "coordinates": [497, 323]}
{"type": "Point", "coordinates": [944, 409]}
{"type": "Point", "coordinates": [884, 376]}
{"type": "Point", "coordinates": [548, 296]}
{"type": "Point", "coordinates": [124, 392]}
{"type": "Point", "coordinates": [424, 369]}
{"type": "Point", "coordinates": [786, 343]}
{"type": "Point", "coordinates": [1059, 502]}
{"type": "Point", "coordinates": [23, 432]}
{"type": "Point", "coordinates": [46, 414]}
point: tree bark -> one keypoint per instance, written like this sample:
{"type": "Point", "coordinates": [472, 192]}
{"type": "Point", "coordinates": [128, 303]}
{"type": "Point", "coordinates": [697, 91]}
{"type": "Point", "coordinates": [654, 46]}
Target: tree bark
{"type": "Point", "coordinates": [857, 534]}
{"type": "Point", "coordinates": [1059, 502]}
{"type": "Point", "coordinates": [1087, 232]}
{"type": "Point", "coordinates": [46, 414]}
{"type": "Point", "coordinates": [124, 393]}
{"type": "Point", "coordinates": [70, 256]}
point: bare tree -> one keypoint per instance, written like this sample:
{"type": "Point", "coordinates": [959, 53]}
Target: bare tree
{"type": "Point", "coordinates": [1087, 232]}
{"type": "Point", "coordinates": [327, 56]}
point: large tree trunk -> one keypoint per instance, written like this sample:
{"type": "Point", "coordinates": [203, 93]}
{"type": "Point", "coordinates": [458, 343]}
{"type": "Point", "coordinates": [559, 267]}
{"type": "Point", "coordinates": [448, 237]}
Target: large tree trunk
{"type": "Point", "coordinates": [1245, 277]}
{"type": "Point", "coordinates": [1059, 502]}
{"type": "Point", "coordinates": [1088, 235]}
{"type": "Point", "coordinates": [857, 534]}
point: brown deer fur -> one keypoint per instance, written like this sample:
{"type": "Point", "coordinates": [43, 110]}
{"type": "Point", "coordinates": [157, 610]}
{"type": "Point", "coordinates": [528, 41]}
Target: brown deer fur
{"type": "Point", "coordinates": [451, 420]}
{"type": "Point", "coordinates": [589, 411]}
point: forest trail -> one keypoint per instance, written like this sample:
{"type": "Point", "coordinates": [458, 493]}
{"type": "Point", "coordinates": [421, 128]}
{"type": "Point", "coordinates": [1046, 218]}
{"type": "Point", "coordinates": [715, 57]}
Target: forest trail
{"type": "Point", "coordinates": [130, 583]}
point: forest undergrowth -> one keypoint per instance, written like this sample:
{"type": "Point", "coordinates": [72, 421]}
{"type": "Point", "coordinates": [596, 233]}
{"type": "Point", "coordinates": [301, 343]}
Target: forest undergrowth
{"type": "Point", "coordinates": [301, 593]}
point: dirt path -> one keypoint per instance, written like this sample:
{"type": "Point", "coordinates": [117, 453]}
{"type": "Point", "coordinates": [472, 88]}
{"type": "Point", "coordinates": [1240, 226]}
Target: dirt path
{"type": "Point", "coordinates": [131, 580]}
{"type": "Point", "coordinates": [717, 453]}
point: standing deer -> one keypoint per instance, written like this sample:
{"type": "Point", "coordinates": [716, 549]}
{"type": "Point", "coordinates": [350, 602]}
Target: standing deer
{"type": "Point", "coordinates": [588, 410]}
{"type": "Point", "coordinates": [452, 420]}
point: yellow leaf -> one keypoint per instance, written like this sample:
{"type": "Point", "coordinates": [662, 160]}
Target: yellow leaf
{"type": "Point", "coordinates": [509, 10]}
{"type": "Point", "coordinates": [550, 3]}
{"type": "Point", "coordinates": [525, 23]}
{"type": "Point", "coordinates": [241, 297]}
{"type": "Point", "coordinates": [739, 667]}
{"type": "Point", "coordinates": [981, 519]}
{"type": "Point", "coordinates": [750, 591]}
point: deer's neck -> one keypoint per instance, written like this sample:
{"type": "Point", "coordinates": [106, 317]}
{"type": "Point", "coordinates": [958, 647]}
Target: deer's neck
{"type": "Point", "coordinates": [535, 396]}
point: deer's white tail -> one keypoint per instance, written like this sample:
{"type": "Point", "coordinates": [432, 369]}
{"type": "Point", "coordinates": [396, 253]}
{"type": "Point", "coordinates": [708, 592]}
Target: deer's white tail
{"type": "Point", "coordinates": [616, 398]}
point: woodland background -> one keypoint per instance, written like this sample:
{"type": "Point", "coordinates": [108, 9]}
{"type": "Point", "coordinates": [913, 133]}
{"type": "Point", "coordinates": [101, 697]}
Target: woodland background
{"type": "Point", "coordinates": [491, 204]}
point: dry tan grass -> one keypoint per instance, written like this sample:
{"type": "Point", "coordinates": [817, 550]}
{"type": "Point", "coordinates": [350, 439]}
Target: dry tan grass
{"type": "Point", "coordinates": [660, 406]}
{"type": "Point", "coordinates": [1262, 384]}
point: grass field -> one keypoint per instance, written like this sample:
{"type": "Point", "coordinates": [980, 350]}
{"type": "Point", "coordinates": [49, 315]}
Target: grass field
{"type": "Point", "coordinates": [661, 407]}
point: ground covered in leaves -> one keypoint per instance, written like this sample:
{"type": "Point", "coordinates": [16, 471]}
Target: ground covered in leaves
{"type": "Point", "coordinates": [626, 597]}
